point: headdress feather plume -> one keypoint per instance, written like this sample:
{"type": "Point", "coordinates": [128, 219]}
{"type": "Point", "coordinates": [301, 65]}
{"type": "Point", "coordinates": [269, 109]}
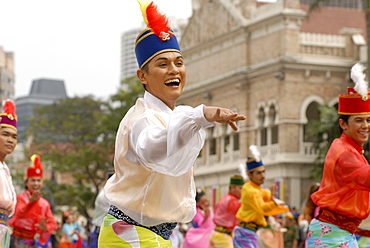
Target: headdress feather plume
{"type": "Point", "coordinates": [243, 171]}
{"type": "Point", "coordinates": [154, 19]}
{"type": "Point", "coordinates": [358, 77]}
{"type": "Point", "coordinates": [9, 107]}
{"type": "Point", "coordinates": [36, 161]}
{"type": "Point", "coordinates": [255, 153]}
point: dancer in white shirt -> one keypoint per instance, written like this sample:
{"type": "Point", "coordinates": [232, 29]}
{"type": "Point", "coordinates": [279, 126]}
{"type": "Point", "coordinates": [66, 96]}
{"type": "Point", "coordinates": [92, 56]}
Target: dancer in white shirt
{"type": "Point", "coordinates": [156, 147]}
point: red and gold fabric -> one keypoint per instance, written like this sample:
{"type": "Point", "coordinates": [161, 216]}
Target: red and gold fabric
{"type": "Point", "coordinates": [345, 185]}
{"type": "Point", "coordinates": [27, 217]}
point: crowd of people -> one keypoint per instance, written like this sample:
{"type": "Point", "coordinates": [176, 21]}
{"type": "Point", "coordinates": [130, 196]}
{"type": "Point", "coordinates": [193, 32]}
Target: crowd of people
{"type": "Point", "coordinates": [151, 200]}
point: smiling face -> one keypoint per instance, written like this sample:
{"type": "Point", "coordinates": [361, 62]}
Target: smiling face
{"type": "Point", "coordinates": [203, 202]}
{"type": "Point", "coordinates": [8, 141]}
{"type": "Point", "coordinates": [34, 184]}
{"type": "Point", "coordinates": [165, 77]}
{"type": "Point", "coordinates": [357, 128]}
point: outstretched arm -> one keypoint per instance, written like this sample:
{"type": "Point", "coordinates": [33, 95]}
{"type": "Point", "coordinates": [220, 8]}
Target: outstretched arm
{"type": "Point", "coordinates": [222, 115]}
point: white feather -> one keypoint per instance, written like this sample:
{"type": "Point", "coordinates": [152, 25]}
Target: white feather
{"type": "Point", "coordinates": [255, 153]}
{"type": "Point", "coordinates": [243, 171]}
{"type": "Point", "coordinates": [358, 77]}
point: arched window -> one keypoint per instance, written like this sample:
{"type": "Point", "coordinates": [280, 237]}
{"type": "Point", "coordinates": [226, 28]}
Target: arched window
{"type": "Point", "coordinates": [261, 127]}
{"type": "Point", "coordinates": [273, 126]}
{"type": "Point", "coordinates": [212, 142]}
{"type": "Point", "coordinates": [312, 114]}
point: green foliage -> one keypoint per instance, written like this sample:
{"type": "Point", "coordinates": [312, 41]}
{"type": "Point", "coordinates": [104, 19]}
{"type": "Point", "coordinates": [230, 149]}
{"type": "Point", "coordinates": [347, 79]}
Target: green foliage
{"type": "Point", "coordinates": [67, 135]}
{"type": "Point", "coordinates": [323, 132]}
{"type": "Point", "coordinates": [119, 104]}
{"type": "Point", "coordinates": [76, 137]}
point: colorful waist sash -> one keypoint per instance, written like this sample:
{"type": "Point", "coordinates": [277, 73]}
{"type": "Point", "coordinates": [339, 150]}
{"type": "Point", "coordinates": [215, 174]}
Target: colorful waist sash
{"type": "Point", "coordinates": [4, 216]}
{"type": "Point", "coordinates": [223, 229]}
{"type": "Point", "coordinates": [341, 221]}
{"type": "Point", "coordinates": [164, 230]}
{"type": "Point", "coordinates": [23, 233]}
{"type": "Point", "coordinates": [250, 225]}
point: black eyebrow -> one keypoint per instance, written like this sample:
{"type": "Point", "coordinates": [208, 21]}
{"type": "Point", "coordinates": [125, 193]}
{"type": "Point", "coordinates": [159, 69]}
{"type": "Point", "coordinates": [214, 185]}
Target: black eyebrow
{"type": "Point", "coordinates": [6, 132]}
{"type": "Point", "coordinates": [164, 58]}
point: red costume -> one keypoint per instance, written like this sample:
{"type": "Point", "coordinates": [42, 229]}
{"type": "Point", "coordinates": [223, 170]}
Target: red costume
{"type": "Point", "coordinates": [345, 185]}
{"type": "Point", "coordinates": [226, 209]}
{"type": "Point", "coordinates": [27, 215]}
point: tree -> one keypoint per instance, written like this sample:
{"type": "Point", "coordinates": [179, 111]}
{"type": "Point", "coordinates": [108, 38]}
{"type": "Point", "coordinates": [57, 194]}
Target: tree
{"type": "Point", "coordinates": [119, 104]}
{"type": "Point", "coordinates": [76, 137]}
{"type": "Point", "coordinates": [68, 136]}
{"type": "Point", "coordinates": [324, 131]}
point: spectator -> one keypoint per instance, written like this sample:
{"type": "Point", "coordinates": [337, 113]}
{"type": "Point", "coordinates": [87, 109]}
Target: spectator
{"type": "Point", "coordinates": [33, 221]}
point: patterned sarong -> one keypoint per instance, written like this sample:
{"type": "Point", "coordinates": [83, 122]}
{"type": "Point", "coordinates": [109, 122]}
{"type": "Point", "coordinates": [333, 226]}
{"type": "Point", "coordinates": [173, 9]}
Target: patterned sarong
{"type": "Point", "coordinates": [4, 236]}
{"type": "Point", "coordinates": [244, 238]}
{"type": "Point", "coordinates": [94, 237]}
{"type": "Point", "coordinates": [363, 242]}
{"type": "Point", "coordinates": [22, 243]}
{"type": "Point", "coordinates": [118, 233]}
{"type": "Point", "coordinates": [321, 234]}
{"type": "Point", "coordinates": [221, 240]}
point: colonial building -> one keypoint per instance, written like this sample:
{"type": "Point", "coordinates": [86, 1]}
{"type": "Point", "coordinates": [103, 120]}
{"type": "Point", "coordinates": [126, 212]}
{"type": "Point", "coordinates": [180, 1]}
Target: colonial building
{"type": "Point", "coordinates": [6, 75]}
{"type": "Point", "coordinates": [275, 64]}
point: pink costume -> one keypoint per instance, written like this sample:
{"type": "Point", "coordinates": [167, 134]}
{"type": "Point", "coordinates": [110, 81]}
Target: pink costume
{"type": "Point", "coordinates": [199, 235]}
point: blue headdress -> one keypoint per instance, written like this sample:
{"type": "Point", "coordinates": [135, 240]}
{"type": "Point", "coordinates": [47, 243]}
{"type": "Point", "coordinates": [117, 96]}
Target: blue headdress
{"type": "Point", "coordinates": [255, 161]}
{"type": "Point", "coordinates": [157, 38]}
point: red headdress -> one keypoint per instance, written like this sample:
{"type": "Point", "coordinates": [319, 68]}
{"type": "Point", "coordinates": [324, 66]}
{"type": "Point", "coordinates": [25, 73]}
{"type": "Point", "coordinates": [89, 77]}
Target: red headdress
{"type": "Point", "coordinates": [8, 118]}
{"type": "Point", "coordinates": [155, 20]}
{"type": "Point", "coordinates": [357, 101]}
{"type": "Point", "coordinates": [36, 169]}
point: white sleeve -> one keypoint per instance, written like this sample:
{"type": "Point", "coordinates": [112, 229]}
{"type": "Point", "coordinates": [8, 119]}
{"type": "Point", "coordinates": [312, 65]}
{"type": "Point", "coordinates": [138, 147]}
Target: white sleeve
{"type": "Point", "coordinates": [169, 146]}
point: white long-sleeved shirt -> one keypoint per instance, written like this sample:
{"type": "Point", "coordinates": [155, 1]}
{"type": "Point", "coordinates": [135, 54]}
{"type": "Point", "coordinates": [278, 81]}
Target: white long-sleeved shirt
{"type": "Point", "coordinates": [156, 148]}
{"type": "Point", "coordinates": [101, 209]}
{"type": "Point", "coordinates": [8, 197]}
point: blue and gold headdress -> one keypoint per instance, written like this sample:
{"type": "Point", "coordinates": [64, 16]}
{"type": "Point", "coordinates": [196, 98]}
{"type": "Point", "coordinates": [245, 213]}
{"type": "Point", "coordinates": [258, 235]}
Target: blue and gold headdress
{"type": "Point", "coordinates": [157, 38]}
{"type": "Point", "coordinates": [255, 161]}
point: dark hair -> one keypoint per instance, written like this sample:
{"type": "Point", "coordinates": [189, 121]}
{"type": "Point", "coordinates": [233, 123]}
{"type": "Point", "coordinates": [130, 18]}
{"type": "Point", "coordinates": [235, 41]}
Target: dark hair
{"type": "Point", "coordinates": [310, 206]}
{"type": "Point", "coordinates": [199, 195]}
{"type": "Point", "coordinates": [345, 119]}
{"type": "Point", "coordinates": [146, 69]}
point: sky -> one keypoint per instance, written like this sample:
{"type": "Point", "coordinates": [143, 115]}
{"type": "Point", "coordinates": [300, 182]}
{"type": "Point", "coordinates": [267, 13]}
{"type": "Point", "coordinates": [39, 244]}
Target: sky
{"type": "Point", "coordinates": [77, 41]}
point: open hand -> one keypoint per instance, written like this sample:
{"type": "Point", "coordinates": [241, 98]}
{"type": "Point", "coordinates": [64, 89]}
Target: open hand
{"type": "Point", "coordinates": [42, 225]}
{"type": "Point", "coordinates": [274, 191]}
{"type": "Point", "coordinates": [222, 115]}
{"type": "Point", "coordinates": [34, 196]}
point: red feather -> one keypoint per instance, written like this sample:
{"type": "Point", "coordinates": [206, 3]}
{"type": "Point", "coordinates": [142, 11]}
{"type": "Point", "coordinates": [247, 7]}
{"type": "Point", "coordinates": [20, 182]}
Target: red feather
{"type": "Point", "coordinates": [9, 107]}
{"type": "Point", "coordinates": [156, 21]}
{"type": "Point", "coordinates": [37, 162]}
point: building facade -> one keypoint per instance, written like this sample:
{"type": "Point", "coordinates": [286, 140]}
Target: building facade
{"type": "Point", "coordinates": [7, 77]}
{"type": "Point", "coordinates": [43, 92]}
{"type": "Point", "coordinates": [276, 66]}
